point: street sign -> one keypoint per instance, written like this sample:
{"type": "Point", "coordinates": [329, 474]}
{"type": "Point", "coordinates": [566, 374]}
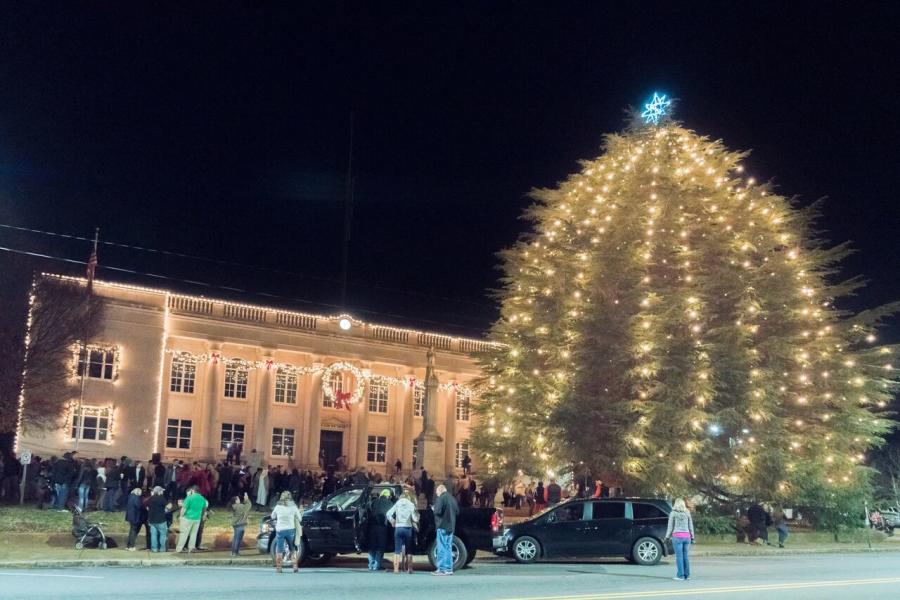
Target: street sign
{"type": "Point", "coordinates": [25, 456]}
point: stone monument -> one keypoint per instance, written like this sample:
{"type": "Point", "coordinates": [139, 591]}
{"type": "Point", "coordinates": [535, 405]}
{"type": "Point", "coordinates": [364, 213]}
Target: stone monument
{"type": "Point", "coordinates": [429, 443]}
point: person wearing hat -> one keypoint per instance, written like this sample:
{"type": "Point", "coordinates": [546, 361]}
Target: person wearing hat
{"type": "Point", "coordinates": [158, 509]}
{"type": "Point", "coordinates": [378, 528]}
{"type": "Point", "coordinates": [285, 517]}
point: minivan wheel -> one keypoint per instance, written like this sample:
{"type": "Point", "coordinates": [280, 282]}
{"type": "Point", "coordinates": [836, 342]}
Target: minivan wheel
{"type": "Point", "coordinates": [526, 549]}
{"type": "Point", "coordinates": [647, 551]}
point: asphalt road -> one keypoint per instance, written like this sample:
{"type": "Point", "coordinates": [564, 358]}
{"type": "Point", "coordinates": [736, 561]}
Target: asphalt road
{"type": "Point", "coordinates": [807, 577]}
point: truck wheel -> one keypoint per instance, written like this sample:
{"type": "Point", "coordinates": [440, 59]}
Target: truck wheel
{"type": "Point", "coordinates": [313, 559]}
{"type": "Point", "coordinates": [460, 554]}
{"type": "Point", "coordinates": [526, 549]}
{"type": "Point", "coordinates": [470, 557]}
{"type": "Point", "coordinates": [647, 551]}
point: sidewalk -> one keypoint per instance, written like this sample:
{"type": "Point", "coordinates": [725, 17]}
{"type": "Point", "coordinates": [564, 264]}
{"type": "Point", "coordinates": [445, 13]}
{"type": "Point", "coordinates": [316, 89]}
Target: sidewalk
{"type": "Point", "coordinates": [61, 558]}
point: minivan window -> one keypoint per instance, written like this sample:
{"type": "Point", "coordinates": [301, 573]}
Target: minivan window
{"type": "Point", "coordinates": [646, 511]}
{"type": "Point", "coordinates": [609, 510]}
{"type": "Point", "coordinates": [569, 512]}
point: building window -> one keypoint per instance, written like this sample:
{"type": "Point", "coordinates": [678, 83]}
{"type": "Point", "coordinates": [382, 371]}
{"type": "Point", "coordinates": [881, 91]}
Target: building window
{"type": "Point", "coordinates": [235, 381]}
{"type": "Point", "coordinates": [184, 373]}
{"type": "Point", "coordinates": [178, 434]}
{"type": "Point", "coordinates": [376, 451]}
{"type": "Point", "coordinates": [91, 423]}
{"type": "Point", "coordinates": [101, 362]}
{"type": "Point", "coordinates": [282, 442]}
{"type": "Point", "coordinates": [378, 396]}
{"type": "Point", "coordinates": [462, 404]}
{"type": "Point", "coordinates": [231, 432]}
{"type": "Point", "coordinates": [337, 384]}
{"type": "Point", "coordinates": [462, 451]}
{"type": "Point", "coordinates": [419, 401]}
{"type": "Point", "coordinates": [285, 387]}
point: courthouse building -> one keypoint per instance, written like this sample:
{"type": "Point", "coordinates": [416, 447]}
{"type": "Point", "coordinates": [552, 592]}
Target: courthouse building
{"type": "Point", "coordinates": [185, 376]}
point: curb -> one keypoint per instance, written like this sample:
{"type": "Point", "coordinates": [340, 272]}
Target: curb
{"type": "Point", "coordinates": [264, 560]}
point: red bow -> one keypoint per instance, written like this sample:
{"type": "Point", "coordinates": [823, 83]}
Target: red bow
{"type": "Point", "coordinates": [342, 400]}
{"type": "Point", "coordinates": [269, 364]}
{"type": "Point", "coordinates": [215, 358]}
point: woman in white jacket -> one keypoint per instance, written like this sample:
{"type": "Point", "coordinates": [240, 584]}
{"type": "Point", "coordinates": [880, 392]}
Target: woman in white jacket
{"type": "Point", "coordinates": [404, 516]}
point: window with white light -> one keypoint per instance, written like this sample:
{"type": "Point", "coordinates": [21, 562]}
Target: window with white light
{"type": "Point", "coordinates": [337, 385]}
{"type": "Point", "coordinates": [184, 374]}
{"type": "Point", "coordinates": [231, 432]}
{"type": "Point", "coordinates": [376, 450]}
{"type": "Point", "coordinates": [462, 451]}
{"type": "Point", "coordinates": [101, 363]}
{"type": "Point", "coordinates": [419, 401]}
{"type": "Point", "coordinates": [285, 387]}
{"type": "Point", "coordinates": [236, 381]}
{"type": "Point", "coordinates": [282, 441]}
{"type": "Point", "coordinates": [463, 397]}
{"type": "Point", "coordinates": [378, 396]}
{"type": "Point", "coordinates": [91, 423]}
{"type": "Point", "coordinates": [178, 434]}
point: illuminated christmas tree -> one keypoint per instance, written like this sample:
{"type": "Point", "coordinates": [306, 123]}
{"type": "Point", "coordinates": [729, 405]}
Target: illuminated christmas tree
{"type": "Point", "coordinates": [671, 325]}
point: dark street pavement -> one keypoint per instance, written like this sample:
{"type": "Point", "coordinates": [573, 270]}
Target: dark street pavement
{"type": "Point", "coordinates": [818, 577]}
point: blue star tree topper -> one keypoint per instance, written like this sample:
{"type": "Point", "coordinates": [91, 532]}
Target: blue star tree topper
{"type": "Point", "coordinates": [656, 109]}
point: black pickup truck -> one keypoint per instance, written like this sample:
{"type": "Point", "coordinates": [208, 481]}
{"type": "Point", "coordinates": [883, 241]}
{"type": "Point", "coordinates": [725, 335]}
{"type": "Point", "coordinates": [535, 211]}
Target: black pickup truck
{"type": "Point", "coordinates": [337, 524]}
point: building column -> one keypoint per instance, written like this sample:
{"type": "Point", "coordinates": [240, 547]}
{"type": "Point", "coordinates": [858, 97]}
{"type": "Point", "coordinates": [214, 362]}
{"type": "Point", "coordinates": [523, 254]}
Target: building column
{"type": "Point", "coordinates": [313, 423]}
{"type": "Point", "coordinates": [450, 433]}
{"type": "Point", "coordinates": [209, 450]}
{"type": "Point", "coordinates": [265, 392]}
{"type": "Point", "coordinates": [400, 407]}
{"type": "Point", "coordinates": [359, 419]}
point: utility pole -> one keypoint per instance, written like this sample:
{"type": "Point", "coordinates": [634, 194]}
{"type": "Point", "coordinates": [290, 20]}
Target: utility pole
{"type": "Point", "coordinates": [348, 218]}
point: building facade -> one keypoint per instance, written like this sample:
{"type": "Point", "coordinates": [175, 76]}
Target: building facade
{"type": "Point", "coordinates": [185, 376]}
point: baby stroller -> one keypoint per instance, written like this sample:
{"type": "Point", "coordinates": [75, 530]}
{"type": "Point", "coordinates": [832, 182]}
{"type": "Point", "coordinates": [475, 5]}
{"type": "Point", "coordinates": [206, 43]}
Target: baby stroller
{"type": "Point", "coordinates": [87, 534]}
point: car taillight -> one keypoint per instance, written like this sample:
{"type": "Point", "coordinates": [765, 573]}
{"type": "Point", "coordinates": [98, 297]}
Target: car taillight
{"type": "Point", "coordinates": [497, 521]}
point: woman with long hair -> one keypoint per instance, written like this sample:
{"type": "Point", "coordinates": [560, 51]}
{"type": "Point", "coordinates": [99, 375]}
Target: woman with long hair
{"type": "Point", "coordinates": [285, 516]}
{"type": "Point", "coordinates": [681, 530]}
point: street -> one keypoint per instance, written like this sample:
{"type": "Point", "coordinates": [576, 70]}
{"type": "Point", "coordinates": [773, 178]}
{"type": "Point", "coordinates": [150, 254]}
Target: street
{"type": "Point", "coordinates": [796, 577]}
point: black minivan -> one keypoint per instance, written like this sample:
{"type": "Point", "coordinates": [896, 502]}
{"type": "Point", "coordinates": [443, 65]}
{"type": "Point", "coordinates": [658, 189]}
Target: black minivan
{"type": "Point", "coordinates": [633, 528]}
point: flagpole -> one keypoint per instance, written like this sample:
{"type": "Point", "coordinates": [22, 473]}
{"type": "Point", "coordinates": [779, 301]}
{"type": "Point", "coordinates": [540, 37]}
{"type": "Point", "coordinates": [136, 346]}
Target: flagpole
{"type": "Point", "coordinates": [91, 266]}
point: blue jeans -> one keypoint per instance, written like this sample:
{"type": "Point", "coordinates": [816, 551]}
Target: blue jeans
{"type": "Point", "coordinates": [236, 539]}
{"type": "Point", "coordinates": [62, 494]}
{"type": "Point", "coordinates": [681, 557]}
{"type": "Point", "coordinates": [159, 533]}
{"type": "Point", "coordinates": [83, 493]}
{"type": "Point", "coordinates": [444, 551]}
{"type": "Point", "coordinates": [285, 535]}
{"type": "Point", "coordinates": [109, 500]}
{"type": "Point", "coordinates": [375, 559]}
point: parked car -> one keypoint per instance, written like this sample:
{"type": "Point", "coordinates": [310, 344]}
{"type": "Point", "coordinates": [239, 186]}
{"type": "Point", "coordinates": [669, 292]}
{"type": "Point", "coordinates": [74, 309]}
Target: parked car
{"type": "Point", "coordinates": [633, 528]}
{"type": "Point", "coordinates": [337, 524]}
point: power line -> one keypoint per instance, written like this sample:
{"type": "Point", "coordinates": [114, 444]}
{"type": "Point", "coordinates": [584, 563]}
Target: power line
{"type": "Point", "coordinates": [228, 263]}
{"type": "Point", "coordinates": [233, 289]}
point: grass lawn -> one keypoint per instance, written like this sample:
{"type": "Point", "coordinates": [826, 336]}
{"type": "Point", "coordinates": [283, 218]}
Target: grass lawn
{"type": "Point", "coordinates": [27, 519]}
{"type": "Point", "coordinates": [802, 539]}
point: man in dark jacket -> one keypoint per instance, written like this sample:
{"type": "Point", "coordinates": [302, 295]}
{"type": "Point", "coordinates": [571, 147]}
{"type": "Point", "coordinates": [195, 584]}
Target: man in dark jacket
{"type": "Point", "coordinates": [445, 511]}
{"type": "Point", "coordinates": [133, 510]}
{"type": "Point", "coordinates": [62, 476]}
{"type": "Point", "coordinates": [378, 528]}
{"type": "Point", "coordinates": [113, 479]}
{"type": "Point", "coordinates": [554, 493]}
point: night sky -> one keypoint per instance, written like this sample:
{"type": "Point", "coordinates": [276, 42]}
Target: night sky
{"type": "Point", "coordinates": [221, 130]}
